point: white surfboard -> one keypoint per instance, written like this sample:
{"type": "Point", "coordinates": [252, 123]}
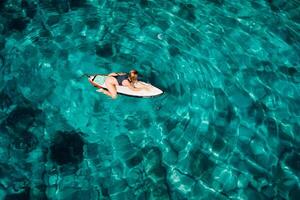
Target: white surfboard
{"type": "Point", "coordinates": [99, 82]}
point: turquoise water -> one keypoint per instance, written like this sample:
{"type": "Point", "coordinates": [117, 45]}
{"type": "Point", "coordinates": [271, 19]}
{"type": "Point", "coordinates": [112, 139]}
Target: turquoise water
{"type": "Point", "coordinates": [227, 126]}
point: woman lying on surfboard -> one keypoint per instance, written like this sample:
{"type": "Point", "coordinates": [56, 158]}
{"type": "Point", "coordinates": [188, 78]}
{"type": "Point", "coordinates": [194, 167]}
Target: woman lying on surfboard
{"type": "Point", "coordinates": [122, 79]}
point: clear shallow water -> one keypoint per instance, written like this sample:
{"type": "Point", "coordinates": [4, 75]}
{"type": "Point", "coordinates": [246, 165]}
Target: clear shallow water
{"type": "Point", "coordinates": [227, 126]}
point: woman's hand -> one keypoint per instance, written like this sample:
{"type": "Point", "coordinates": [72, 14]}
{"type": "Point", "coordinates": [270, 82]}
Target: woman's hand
{"type": "Point", "coordinates": [137, 86]}
{"type": "Point", "coordinates": [142, 86]}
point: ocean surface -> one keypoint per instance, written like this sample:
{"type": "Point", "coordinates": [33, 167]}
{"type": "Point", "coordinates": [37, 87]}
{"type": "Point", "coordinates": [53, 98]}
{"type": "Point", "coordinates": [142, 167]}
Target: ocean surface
{"type": "Point", "coordinates": [227, 126]}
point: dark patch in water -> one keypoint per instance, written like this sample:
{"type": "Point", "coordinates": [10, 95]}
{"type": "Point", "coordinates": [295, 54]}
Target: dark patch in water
{"type": "Point", "coordinates": [93, 23]}
{"type": "Point", "coordinates": [252, 193]}
{"type": "Point", "coordinates": [199, 163]}
{"type": "Point", "coordinates": [18, 24]}
{"type": "Point", "coordinates": [104, 191]}
{"type": "Point", "coordinates": [22, 118]}
{"type": "Point", "coordinates": [53, 19]}
{"type": "Point", "coordinates": [135, 160]}
{"type": "Point", "coordinates": [105, 50]}
{"type": "Point", "coordinates": [62, 6]}
{"type": "Point", "coordinates": [30, 8]}
{"type": "Point", "coordinates": [159, 171]}
{"type": "Point", "coordinates": [67, 148]}
{"type": "Point", "coordinates": [18, 123]}
{"type": "Point", "coordinates": [144, 3]}
{"type": "Point", "coordinates": [218, 144]}
{"type": "Point", "coordinates": [40, 192]}
{"type": "Point", "coordinates": [290, 71]}
{"type": "Point", "coordinates": [276, 5]}
{"type": "Point", "coordinates": [230, 114]}
{"type": "Point", "coordinates": [216, 2]}
{"type": "Point", "coordinates": [30, 52]}
{"type": "Point", "coordinates": [295, 16]}
{"type": "Point", "coordinates": [64, 54]}
{"type": "Point", "coordinates": [5, 170]}
{"type": "Point", "coordinates": [262, 65]}
{"type": "Point", "coordinates": [174, 51]}
{"type": "Point", "coordinates": [47, 52]}
{"type": "Point", "coordinates": [222, 101]}
{"type": "Point", "coordinates": [163, 24]}
{"type": "Point", "coordinates": [293, 161]}
{"type": "Point", "coordinates": [195, 37]}
{"type": "Point", "coordinates": [5, 102]}
{"type": "Point", "coordinates": [170, 124]}
{"type": "Point", "coordinates": [257, 111]}
{"type": "Point", "coordinates": [2, 45]}
{"type": "Point", "coordinates": [271, 126]}
{"type": "Point", "coordinates": [154, 152]}
{"type": "Point", "coordinates": [2, 3]}
{"type": "Point", "coordinates": [187, 11]}
{"type": "Point", "coordinates": [24, 195]}
{"type": "Point", "coordinates": [77, 3]}
{"type": "Point", "coordinates": [288, 35]}
{"type": "Point", "coordinates": [296, 128]}
{"type": "Point", "coordinates": [12, 90]}
{"type": "Point", "coordinates": [294, 193]}
{"type": "Point", "coordinates": [25, 141]}
{"type": "Point", "coordinates": [256, 5]}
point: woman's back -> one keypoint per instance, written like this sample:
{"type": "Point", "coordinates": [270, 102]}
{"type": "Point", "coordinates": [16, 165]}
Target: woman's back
{"type": "Point", "coordinates": [121, 78]}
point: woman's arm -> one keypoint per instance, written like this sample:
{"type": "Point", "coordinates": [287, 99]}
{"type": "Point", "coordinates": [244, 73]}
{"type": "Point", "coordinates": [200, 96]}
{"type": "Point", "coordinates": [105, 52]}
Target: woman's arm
{"type": "Point", "coordinates": [131, 86]}
{"type": "Point", "coordinates": [112, 74]}
{"type": "Point", "coordinates": [142, 85]}
{"type": "Point", "coordinates": [138, 88]}
{"type": "Point", "coordinates": [116, 74]}
{"type": "Point", "coordinates": [134, 88]}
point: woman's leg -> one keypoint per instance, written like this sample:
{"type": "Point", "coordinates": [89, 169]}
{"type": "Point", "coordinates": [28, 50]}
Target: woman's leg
{"type": "Point", "coordinates": [110, 84]}
{"type": "Point", "coordinates": [112, 91]}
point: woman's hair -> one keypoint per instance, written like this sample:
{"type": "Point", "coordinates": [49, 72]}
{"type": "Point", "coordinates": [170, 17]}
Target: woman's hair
{"type": "Point", "coordinates": [133, 75]}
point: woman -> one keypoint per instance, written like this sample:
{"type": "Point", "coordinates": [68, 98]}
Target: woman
{"type": "Point", "coordinates": [123, 79]}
